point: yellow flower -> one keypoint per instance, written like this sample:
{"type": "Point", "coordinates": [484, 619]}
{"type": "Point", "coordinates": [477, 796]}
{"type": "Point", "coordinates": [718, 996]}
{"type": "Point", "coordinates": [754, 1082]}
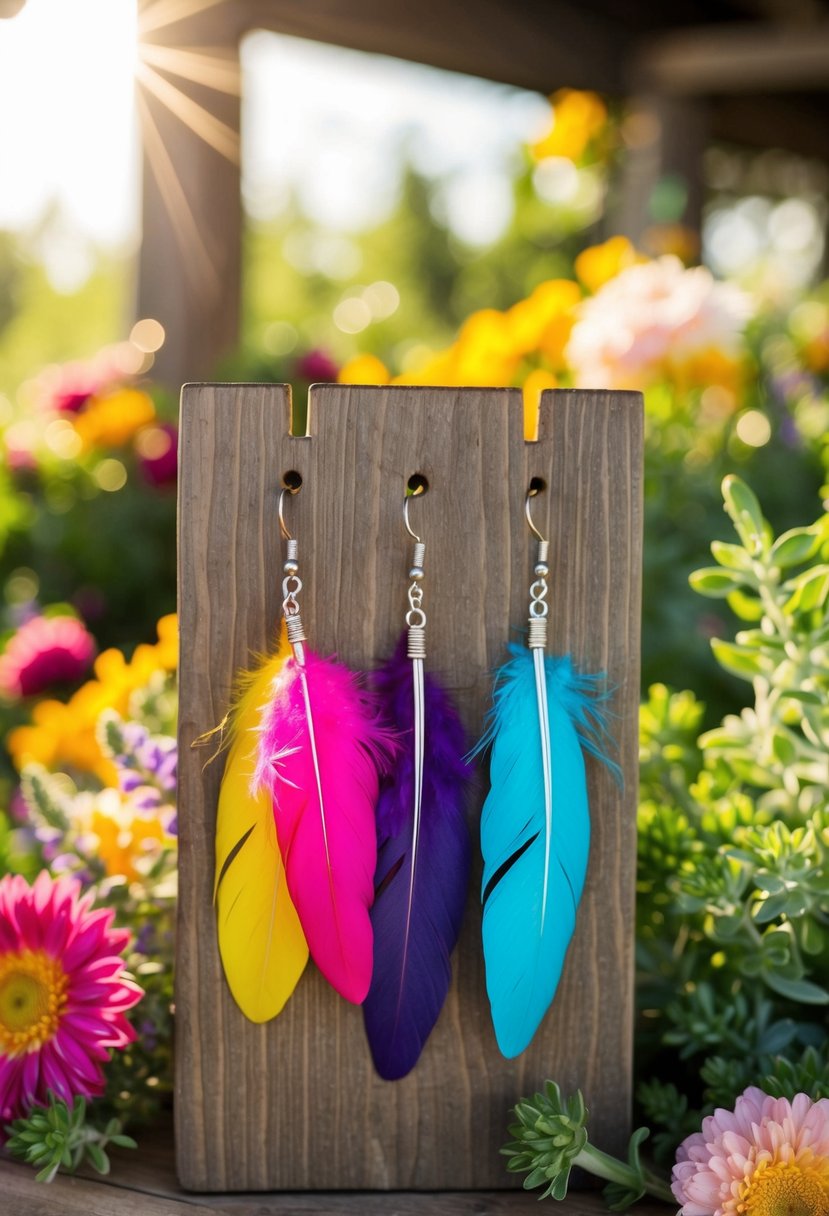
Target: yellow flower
{"type": "Point", "coordinates": [543, 321]}
{"type": "Point", "coordinates": [364, 369]}
{"type": "Point", "coordinates": [63, 735]}
{"type": "Point", "coordinates": [707, 367]}
{"type": "Point", "coordinates": [577, 118]}
{"type": "Point", "coordinates": [601, 263]}
{"type": "Point", "coordinates": [534, 385]}
{"type": "Point", "coordinates": [123, 837]}
{"type": "Point", "coordinates": [109, 422]}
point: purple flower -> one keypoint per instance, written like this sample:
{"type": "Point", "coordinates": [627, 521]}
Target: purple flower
{"type": "Point", "coordinates": [316, 365]}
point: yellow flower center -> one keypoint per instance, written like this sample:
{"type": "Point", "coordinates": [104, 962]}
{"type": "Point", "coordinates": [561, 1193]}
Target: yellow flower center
{"type": "Point", "coordinates": [32, 1000]}
{"type": "Point", "coordinates": [786, 1190]}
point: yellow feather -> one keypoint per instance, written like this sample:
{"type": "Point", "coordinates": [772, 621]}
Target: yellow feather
{"type": "Point", "coordinates": [261, 941]}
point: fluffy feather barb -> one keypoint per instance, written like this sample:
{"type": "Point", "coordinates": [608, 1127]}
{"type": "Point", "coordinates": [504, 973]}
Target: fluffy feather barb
{"type": "Point", "coordinates": [320, 748]}
{"type": "Point", "coordinates": [261, 942]}
{"type": "Point", "coordinates": [421, 879]}
{"type": "Point", "coordinates": [535, 848]}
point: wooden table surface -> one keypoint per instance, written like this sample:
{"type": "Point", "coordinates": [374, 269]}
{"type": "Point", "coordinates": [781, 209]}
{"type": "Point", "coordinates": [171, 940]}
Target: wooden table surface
{"type": "Point", "coordinates": [143, 1183]}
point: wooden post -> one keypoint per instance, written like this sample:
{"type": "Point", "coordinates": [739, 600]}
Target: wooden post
{"type": "Point", "coordinates": [189, 271]}
{"type": "Point", "coordinates": [296, 1104]}
{"type": "Point", "coordinates": [675, 133]}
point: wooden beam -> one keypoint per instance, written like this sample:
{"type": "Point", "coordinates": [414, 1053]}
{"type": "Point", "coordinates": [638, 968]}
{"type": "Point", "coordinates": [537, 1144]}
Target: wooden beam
{"type": "Point", "coordinates": [798, 124]}
{"type": "Point", "coordinates": [533, 44]}
{"type": "Point", "coordinates": [725, 59]}
{"type": "Point", "coordinates": [675, 133]}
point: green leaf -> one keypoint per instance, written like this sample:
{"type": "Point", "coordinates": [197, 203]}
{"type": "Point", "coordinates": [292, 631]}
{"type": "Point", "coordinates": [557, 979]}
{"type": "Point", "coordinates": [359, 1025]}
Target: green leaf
{"type": "Point", "coordinates": [809, 590]}
{"type": "Point", "coordinates": [770, 908]}
{"type": "Point", "coordinates": [740, 662]}
{"type": "Point", "coordinates": [746, 607]}
{"type": "Point", "coordinates": [812, 937]}
{"type": "Point", "coordinates": [714, 582]}
{"type": "Point", "coordinates": [733, 557]}
{"type": "Point", "coordinates": [795, 546]}
{"type": "Point", "coordinates": [783, 748]}
{"type": "Point", "coordinates": [97, 1157]}
{"type": "Point", "coordinates": [742, 505]}
{"type": "Point", "coordinates": [802, 991]}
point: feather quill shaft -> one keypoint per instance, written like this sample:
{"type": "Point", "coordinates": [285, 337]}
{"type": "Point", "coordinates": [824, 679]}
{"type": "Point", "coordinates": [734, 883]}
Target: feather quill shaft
{"type": "Point", "coordinates": [535, 832]}
{"type": "Point", "coordinates": [422, 868]}
{"type": "Point", "coordinates": [261, 943]}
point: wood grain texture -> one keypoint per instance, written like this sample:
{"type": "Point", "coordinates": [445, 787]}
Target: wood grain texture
{"type": "Point", "coordinates": [153, 1192]}
{"type": "Point", "coordinates": [143, 1183]}
{"type": "Point", "coordinates": [296, 1104]}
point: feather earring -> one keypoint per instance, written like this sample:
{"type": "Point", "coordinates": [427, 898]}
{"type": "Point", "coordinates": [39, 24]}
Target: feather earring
{"type": "Point", "coordinates": [314, 767]}
{"type": "Point", "coordinates": [261, 943]}
{"type": "Point", "coordinates": [535, 824]}
{"type": "Point", "coordinates": [423, 850]}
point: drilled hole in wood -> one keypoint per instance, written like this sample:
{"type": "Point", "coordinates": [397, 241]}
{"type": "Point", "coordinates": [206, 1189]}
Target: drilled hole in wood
{"type": "Point", "coordinates": [537, 486]}
{"type": "Point", "coordinates": [292, 481]}
{"type": "Point", "coordinates": [417, 485]}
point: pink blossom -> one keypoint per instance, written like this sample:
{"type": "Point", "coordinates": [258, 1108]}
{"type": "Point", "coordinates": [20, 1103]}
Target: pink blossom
{"type": "Point", "coordinates": [45, 651]}
{"type": "Point", "coordinates": [63, 992]}
{"type": "Point", "coordinates": [652, 317]}
{"type": "Point", "coordinates": [767, 1157]}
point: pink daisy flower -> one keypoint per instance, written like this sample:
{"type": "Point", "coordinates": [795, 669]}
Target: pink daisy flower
{"type": "Point", "coordinates": [767, 1157]}
{"type": "Point", "coordinates": [63, 992]}
{"type": "Point", "coordinates": [45, 651]}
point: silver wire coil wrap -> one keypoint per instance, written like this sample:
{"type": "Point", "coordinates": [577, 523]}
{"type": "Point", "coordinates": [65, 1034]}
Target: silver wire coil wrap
{"type": "Point", "coordinates": [416, 617]}
{"type": "Point", "coordinates": [292, 550]}
{"type": "Point", "coordinates": [296, 631]}
{"type": "Point", "coordinates": [539, 608]}
{"type": "Point", "coordinates": [417, 642]}
{"type": "Point", "coordinates": [537, 639]}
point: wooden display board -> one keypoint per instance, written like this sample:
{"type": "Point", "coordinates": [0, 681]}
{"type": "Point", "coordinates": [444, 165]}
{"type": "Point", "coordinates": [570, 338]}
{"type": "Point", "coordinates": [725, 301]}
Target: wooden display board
{"type": "Point", "coordinates": [295, 1104]}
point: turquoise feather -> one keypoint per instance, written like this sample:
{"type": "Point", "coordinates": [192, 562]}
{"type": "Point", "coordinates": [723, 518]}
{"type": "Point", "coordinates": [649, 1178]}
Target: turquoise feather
{"type": "Point", "coordinates": [535, 850]}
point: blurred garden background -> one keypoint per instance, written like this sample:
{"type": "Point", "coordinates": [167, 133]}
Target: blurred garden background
{"type": "Point", "coordinates": [403, 222]}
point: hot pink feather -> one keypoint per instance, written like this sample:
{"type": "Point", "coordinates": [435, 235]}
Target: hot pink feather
{"type": "Point", "coordinates": [320, 752]}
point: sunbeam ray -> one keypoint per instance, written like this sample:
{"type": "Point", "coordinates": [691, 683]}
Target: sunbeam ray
{"type": "Point", "coordinates": [206, 125]}
{"type": "Point", "coordinates": [167, 12]}
{"type": "Point", "coordinates": [214, 70]}
{"type": "Point", "coordinates": [197, 257]}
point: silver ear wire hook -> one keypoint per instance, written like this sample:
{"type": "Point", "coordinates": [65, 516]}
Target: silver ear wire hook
{"type": "Point", "coordinates": [282, 525]}
{"type": "Point", "coordinates": [411, 533]}
{"type": "Point", "coordinates": [531, 493]}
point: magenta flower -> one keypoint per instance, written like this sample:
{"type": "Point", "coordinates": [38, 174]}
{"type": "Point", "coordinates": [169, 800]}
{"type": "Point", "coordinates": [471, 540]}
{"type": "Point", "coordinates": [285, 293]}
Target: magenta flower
{"type": "Point", "coordinates": [45, 651]}
{"type": "Point", "coordinates": [767, 1157]}
{"type": "Point", "coordinates": [157, 450]}
{"type": "Point", "coordinates": [63, 992]}
{"type": "Point", "coordinates": [316, 365]}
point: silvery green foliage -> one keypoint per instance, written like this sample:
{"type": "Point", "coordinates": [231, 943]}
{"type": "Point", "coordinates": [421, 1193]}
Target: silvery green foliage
{"type": "Point", "coordinates": [733, 911]}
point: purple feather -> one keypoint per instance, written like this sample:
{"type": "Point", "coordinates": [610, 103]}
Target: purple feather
{"type": "Point", "coordinates": [412, 945]}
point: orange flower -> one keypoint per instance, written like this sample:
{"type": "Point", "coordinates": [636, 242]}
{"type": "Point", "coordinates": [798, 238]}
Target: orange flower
{"type": "Point", "coordinates": [124, 836]}
{"type": "Point", "coordinates": [577, 118]}
{"type": "Point", "coordinates": [111, 421]}
{"type": "Point", "coordinates": [534, 386]}
{"type": "Point", "coordinates": [543, 321]}
{"type": "Point", "coordinates": [65, 734]}
{"type": "Point", "coordinates": [364, 369]}
{"type": "Point", "coordinates": [601, 263]}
